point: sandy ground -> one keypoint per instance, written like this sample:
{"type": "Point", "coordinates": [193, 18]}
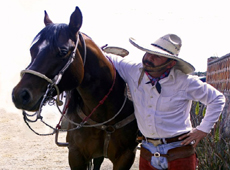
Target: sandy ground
{"type": "Point", "coordinates": [21, 149]}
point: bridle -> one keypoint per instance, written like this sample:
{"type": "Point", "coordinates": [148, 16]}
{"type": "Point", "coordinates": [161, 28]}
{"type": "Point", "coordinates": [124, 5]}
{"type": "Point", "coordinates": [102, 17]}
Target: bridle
{"type": "Point", "coordinates": [52, 82]}
{"type": "Point", "coordinates": [53, 85]}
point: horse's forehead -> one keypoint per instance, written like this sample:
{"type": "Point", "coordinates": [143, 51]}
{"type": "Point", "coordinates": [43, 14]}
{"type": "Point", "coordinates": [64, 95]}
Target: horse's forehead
{"type": "Point", "coordinates": [35, 40]}
{"type": "Point", "coordinates": [42, 43]}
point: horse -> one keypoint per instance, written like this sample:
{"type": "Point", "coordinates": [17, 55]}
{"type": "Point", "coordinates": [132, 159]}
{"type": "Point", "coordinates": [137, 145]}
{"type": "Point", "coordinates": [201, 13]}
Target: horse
{"type": "Point", "coordinates": [101, 123]}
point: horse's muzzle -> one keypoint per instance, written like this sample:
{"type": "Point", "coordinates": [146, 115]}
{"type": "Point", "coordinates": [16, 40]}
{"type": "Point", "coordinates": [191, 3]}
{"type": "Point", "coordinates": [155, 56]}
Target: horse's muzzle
{"type": "Point", "coordinates": [22, 100]}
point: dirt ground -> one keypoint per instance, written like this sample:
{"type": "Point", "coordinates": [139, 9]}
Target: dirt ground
{"type": "Point", "coordinates": [21, 149]}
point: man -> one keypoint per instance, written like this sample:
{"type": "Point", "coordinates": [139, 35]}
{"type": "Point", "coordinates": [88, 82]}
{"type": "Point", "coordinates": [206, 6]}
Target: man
{"type": "Point", "coordinates": [162, 91]}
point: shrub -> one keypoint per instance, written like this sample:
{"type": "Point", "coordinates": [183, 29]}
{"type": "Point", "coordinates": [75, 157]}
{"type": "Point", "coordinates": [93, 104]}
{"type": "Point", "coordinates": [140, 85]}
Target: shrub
{"type": "Point", "coordinates": [213, 151]}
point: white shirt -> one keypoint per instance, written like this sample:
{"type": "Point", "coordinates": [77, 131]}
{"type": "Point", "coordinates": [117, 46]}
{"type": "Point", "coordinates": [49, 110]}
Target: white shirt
{"type": "Point", "coordinates": [167, 114]}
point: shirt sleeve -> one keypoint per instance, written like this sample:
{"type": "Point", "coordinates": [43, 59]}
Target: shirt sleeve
{"type": "Point", "coordinates": [121, 64]}
{"type": "Point", "coordinates": [211, 97]}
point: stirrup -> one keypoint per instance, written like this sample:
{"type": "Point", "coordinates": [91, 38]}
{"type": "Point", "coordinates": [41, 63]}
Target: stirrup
{"type": "Point", "coordinates": [61, 144]}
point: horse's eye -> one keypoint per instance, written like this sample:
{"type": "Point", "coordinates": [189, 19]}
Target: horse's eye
{"type": "Point", "coordinates": [63, 52]}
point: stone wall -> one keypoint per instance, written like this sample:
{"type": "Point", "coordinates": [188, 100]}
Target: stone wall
{"type": "Point", "coordinates": [218, 75]}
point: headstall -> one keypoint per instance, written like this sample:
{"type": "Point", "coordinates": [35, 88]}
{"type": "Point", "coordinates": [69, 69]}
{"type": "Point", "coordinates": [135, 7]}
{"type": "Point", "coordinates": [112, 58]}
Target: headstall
{"type": "Point", "coordinates": [52, 86]}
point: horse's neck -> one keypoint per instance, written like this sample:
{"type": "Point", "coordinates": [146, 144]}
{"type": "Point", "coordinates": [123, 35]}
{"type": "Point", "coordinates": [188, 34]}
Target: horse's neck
{"type": "Point", "coordinates": [98, 79]}
{"type": "Point", "coordinates": [97, 83]}
{"type": "Point", "coordinates": [99, 75]}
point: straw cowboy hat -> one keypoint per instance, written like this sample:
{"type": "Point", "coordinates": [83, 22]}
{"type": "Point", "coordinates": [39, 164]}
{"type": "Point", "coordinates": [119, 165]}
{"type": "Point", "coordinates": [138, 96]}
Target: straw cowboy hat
{"type": "Point", "coordinates": [166, 46]}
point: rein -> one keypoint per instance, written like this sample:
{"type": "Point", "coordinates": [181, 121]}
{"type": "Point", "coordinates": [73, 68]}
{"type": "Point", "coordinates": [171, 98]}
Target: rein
{"type": "Point", "coordinates": [105, 97]}
{"type": "Point", "coordinates": [53, 86]}
{"type": "Point", "coordinates": [50, 89]}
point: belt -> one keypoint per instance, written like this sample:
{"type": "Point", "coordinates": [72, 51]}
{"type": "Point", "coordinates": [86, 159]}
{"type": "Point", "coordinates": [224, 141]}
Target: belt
{"type": "Point", "coordinates": [172, 154]}
{"type": "Point", "coordinates": [157, 142]}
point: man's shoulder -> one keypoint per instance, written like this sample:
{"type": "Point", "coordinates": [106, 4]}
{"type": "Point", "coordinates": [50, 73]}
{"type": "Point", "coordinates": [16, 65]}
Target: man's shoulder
{"type": "Point", "coordinates": [132, 64]}
{"type": "Point", "coordinates": [178, 74]}
{"type": "Point", "coordinates": [187, 79]}
{"type": "Point", "coordinates": [136, 61]}
{"type": "Point", "coordinates": [181, 79]}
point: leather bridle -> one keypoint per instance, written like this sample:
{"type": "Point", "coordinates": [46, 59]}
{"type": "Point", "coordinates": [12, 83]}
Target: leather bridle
{"type": "Point", "coordinates": [53, 85]}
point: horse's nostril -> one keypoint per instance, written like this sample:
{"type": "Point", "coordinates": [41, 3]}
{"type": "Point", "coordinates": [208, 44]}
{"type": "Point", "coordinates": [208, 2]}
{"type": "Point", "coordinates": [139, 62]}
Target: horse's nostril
{"type": "Point", "coordinates": [25, 96]}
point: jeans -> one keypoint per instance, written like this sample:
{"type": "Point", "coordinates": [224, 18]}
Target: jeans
{"type": "Point", "coordinates": [160, 162]}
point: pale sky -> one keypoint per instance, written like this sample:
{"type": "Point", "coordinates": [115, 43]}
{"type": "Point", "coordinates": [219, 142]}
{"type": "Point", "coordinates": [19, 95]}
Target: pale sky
{"type": "Point", "coordinates": [203, 25]}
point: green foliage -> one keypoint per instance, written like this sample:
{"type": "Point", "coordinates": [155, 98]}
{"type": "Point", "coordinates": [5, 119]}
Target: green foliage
{"type": "Point", "coordinates": [213, 151]}
{"type": "Point", "coordinates": [197, 108]}
{"type": "Point", "coordinates": [204, 111]}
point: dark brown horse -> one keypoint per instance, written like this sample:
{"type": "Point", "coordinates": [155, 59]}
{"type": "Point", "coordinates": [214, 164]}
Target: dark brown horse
{"type": "Point", "coordinates": [101, 121]}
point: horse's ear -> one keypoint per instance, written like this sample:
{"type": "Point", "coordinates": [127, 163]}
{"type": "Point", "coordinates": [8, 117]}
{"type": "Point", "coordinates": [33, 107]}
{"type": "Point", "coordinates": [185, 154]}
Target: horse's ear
{"type": "Point", "coordinates": [47, 19]}
{"type": "Point", "coordinates": [75, 21]}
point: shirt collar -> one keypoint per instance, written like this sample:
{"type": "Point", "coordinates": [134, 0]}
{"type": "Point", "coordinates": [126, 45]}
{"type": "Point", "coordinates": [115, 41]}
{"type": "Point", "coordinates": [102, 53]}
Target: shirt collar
{"type": "Point", "coordinates": [170, 76]}
{"type": "Point", "coordinates": [153, 80]}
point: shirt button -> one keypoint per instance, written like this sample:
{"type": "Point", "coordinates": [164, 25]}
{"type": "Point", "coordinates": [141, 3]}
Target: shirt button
{"type": "Point", "coordinates": [148, 115]}
{"type": "Point", "coordinates": [151, 97]}
{"type": "Point", "coordinates": [149, 106]}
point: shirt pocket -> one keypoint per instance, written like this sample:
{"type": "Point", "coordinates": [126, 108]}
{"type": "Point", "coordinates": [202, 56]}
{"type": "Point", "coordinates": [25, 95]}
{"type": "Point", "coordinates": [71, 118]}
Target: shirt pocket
{"type": "Point", "coordinates": [173, 103]}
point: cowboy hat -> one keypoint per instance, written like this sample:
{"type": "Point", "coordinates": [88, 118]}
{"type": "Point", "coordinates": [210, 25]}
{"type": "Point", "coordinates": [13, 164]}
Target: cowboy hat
{"type": "Point", "coordinates": [167, 46]}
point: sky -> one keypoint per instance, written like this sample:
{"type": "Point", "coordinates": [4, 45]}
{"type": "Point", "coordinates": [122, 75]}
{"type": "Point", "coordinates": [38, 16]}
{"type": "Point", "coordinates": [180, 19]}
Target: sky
{"type": "Point", "coordinates": [203, 26]}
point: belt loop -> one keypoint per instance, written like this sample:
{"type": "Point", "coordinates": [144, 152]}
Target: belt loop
{"type": "Point", "coordinates": [164, 141]}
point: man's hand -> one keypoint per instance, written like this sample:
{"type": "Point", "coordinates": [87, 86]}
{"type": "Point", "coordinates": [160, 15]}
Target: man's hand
{"type": "Point", "coordinates": [193, 137]}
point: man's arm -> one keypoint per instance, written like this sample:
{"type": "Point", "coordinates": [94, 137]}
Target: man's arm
{"type": "Point", "coordinates": [214, 100]}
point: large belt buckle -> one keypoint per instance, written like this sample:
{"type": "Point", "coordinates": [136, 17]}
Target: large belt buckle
{"type": "Point", "coordinates": [157, 154]}
{"type": "Point", "coordinates": [155, 142]}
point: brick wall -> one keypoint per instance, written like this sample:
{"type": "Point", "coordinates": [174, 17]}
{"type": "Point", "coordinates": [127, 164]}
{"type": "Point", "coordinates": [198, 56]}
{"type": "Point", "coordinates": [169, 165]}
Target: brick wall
{"type": "Point", "coordinates": [218, 75]}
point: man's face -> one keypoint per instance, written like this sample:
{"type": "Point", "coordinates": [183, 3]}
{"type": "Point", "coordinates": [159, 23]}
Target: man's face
{"type": "Point", "coordinates": [153, 60]}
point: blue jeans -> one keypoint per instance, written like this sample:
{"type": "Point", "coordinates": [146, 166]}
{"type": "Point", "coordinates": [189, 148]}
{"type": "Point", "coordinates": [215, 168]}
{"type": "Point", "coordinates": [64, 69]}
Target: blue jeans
{"type": "Point", "coordinates": [160, 162]}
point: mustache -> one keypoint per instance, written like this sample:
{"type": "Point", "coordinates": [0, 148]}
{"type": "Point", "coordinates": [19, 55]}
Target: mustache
{"type": "Point", "coordinates": [149, 63]}
{"type": "Point", "coordinates": [152, 68]}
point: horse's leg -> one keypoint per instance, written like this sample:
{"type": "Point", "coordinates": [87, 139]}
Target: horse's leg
{"type": "Point", "coordinates": [76, 160]}
{"type": "Point", "coordinates": [125, 161]}
{"type": "Point", "coordinates": [97, 163]}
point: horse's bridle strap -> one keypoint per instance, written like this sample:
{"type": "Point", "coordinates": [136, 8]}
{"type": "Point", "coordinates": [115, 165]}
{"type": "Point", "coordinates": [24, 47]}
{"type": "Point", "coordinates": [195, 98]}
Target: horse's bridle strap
{"type": "Point", "coordinates": [57, 78]}
{"type": "Point", "coordinates": [53, 83]}
{"type": "Point", "coordinates": [37, 74]}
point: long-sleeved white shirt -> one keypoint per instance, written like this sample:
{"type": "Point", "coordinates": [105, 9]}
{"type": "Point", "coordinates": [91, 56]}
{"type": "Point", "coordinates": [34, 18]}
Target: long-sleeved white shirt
{"type": "Point", "coordinates": [167, 114]}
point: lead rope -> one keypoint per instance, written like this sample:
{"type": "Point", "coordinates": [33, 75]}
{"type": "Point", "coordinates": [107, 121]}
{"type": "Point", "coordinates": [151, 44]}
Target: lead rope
{"type": "Point", "coordinates": [82, 124]}
{"type": "Point", "coordinates": [52, 83]}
